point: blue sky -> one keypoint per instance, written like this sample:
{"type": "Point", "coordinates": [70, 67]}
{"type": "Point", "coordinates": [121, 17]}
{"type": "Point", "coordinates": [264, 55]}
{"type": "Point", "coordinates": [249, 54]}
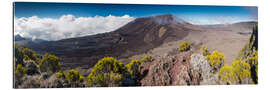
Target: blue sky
{"type": "Point", "coordinates": [190, 13]}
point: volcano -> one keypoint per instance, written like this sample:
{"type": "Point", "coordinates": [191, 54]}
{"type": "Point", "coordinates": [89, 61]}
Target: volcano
{"type": "Point", "coordinates": [141, 36]}
{"type": "Point", "coordinates": [136, 37]}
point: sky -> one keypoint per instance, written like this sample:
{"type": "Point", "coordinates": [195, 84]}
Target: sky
{"type": "Point", "coordinates": [42, 20]}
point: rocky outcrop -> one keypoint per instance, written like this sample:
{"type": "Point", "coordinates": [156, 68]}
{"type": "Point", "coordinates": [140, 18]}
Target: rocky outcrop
{"type": "Point", "coordinates": [30, 82]}
{"type": "Point", "coordinates": [182, 72]}
{"type": "Point", "coordinates": [201, 65]}
{"type": "Point", "coordinates": [169, 70]}
{"type": "Point", "coordinates": [41, 81]}
{"type": "Point", "coordinates": [156, 72]}
{"type": "Point", "coordinates": [185, 68]}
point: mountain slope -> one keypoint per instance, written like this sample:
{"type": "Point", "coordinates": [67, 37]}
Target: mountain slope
{"type": "Point", "coordinates": [154, 35]}
{"type": "Point", "coordinates": [27, 41]}
{"type": "Point", "coordinates": [136, 37]}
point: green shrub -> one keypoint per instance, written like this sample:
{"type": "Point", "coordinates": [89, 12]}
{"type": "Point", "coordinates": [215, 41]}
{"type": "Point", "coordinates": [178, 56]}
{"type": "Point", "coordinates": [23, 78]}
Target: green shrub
{"type": "Point", "coordinates": [227, 74]}
{"type": "Point", "coordinates": [146, 58]}
{"type": "Point", "coordinates": [62, 80]}
{"type": "Point", "coordinates": [250, 54]}
{"type": "Point", "coordinates": [253, 62]}
{"type": "Point", "coordinates": [253, 42]}
{"type": "Point", "coordinates": [81, 79]}
{"type": "Point", "coordinates": [49, 64]}
{"type": "Point", "coordinates": [133, 67]}
{"type": "Point", "coordinates": [75, 79]}
{"type": "Point", "coordinates": [32, 67]}
{"type": "Point", "coordinates": [253, 59]}
{"type": "Point", "coordinates": [184, 46]}
{"type": "Point", "coordinates": [19, 55]}
{"type": "Point", "coordinates": [216, 59]}
{"type": "Point", "coordinates": [73, 76]}
{"type": "Point", "coordinates": [107, 72]}
{"type": "Point", "coordinates": [241, 69]}
{"type": "Point", "coordinates": [239, 73]}
{"type": "Point", "coordinates": [60, 75]}
{"type": "Point", "coordinates": [113, 79]}
{"type": "Point", "coordinates": [24, 54]}
{"type": "Point", "coordinates": [134, 70]}
{"type": "Point", "coordinates": [204, 50]}
{"type": "Point", "coordinates": [20, 71]}
{"type": "Point", "coordinates": [246, 65]}
{"type": "Point", "coordinates": [25, 57]}
{"type": "Point", "coordinates": [29, 54]}
{"type": "Point", "coordinates": [107, 79]}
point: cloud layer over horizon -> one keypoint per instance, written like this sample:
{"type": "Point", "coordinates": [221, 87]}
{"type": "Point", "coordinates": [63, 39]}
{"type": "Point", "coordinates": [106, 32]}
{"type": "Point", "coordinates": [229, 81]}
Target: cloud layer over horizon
{"type": "Point", "coordinates": [67, 26]}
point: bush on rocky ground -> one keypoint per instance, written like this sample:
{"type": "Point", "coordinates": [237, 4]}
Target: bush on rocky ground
{"type": "Point", "coordinates": [237, 73]}
{"type": "Point", "coordinates": [253, 62]}
{"type": "Point", "coordinates": [49, 64]}
{"type": "Point", "coordinates": [32, 67]}
{"type": "Point", "coordinates": [20, 72]}
{"type": "Point", "coordinates": [107, 72]}
{"type": "Point", "coordinates": [184, 46]}
{"type": "Point", "coordinates": [216, 60]}
{"type": "Point", "coordinates": [19, 55]}
{"type": "Point", "coordinates": [204, 50]}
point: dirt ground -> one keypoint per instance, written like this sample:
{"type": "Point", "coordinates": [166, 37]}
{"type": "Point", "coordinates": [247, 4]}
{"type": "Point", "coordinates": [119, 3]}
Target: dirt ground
{"type": "Point", "coordinates": [224, 39]}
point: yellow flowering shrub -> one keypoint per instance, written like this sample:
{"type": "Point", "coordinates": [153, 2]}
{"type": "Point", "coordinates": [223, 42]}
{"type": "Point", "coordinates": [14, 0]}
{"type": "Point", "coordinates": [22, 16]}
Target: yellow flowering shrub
{"type": "Point", "coordinates": [216, 59]}
{"type": "Point", "coordinates": [184, 46]}
{"type": "Point", "coordinates": [238, 72]}
{"type": "Point", "coordinates": [204, 50]}
{"type": "Point", "coordinates": [226, 74]}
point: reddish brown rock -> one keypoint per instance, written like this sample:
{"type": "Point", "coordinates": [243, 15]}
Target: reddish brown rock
{"type": "Point", "coordinates": [169, 70]}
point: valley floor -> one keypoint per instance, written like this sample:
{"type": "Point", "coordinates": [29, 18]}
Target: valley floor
{"type": "Point", "coordinates": [227, 41]}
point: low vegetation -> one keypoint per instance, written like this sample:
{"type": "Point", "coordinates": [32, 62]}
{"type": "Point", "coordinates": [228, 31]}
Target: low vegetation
{"type": "Point", "coordinates": [29, 54]}
{"type": "Point", "coordinates": [238, 73]}
{"type": "Point", "coordinates": [20, 71]}
{"type": "Point", "coordinates": [226, 74]}
{"type": "Point", "coordinates": [184, 46]}
{"type": "Point", "coordinates": [36, 70]}
{"type": "Point", "coordinates": [32, 67]}
{"type": "Point", "coordinates": [19, 55]}
{"type": "Point", "coordinates": [107, 72]}
{"type": "Point", "coordinates": [146, 59]}
{"type": "Point", "coordinates": [244, 70]}
{"type": "Point", "coordinates": [134, 70]}
{"type": "Point", "coordinates": [49, 64]}
{"type": "Point", "coordinates": [133, 67]}
{"type": "Point", "coordinates": [71, 79]}
{"type": "Point", "coordinates": [253, 62]}
{"type": "Point", "coordinates": [216, 60]}
{"type": "Point", "coordinates": [204, 50]}
{"type": "Point", "coordinates": [60, 75]}
{"type": "Point", "coordinates": [28, 65]}
{"type": "Point", "coordinates": [74, 78]}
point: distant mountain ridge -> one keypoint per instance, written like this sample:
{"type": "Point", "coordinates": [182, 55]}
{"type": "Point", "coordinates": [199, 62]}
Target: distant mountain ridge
{"type": "Point", "coordinates": [26, 41]}
{"type": "Point", "coordinates": [18, 38]}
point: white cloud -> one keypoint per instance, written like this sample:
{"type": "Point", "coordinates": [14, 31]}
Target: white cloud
{"type": "Point", "coordinates": [67, 26]}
